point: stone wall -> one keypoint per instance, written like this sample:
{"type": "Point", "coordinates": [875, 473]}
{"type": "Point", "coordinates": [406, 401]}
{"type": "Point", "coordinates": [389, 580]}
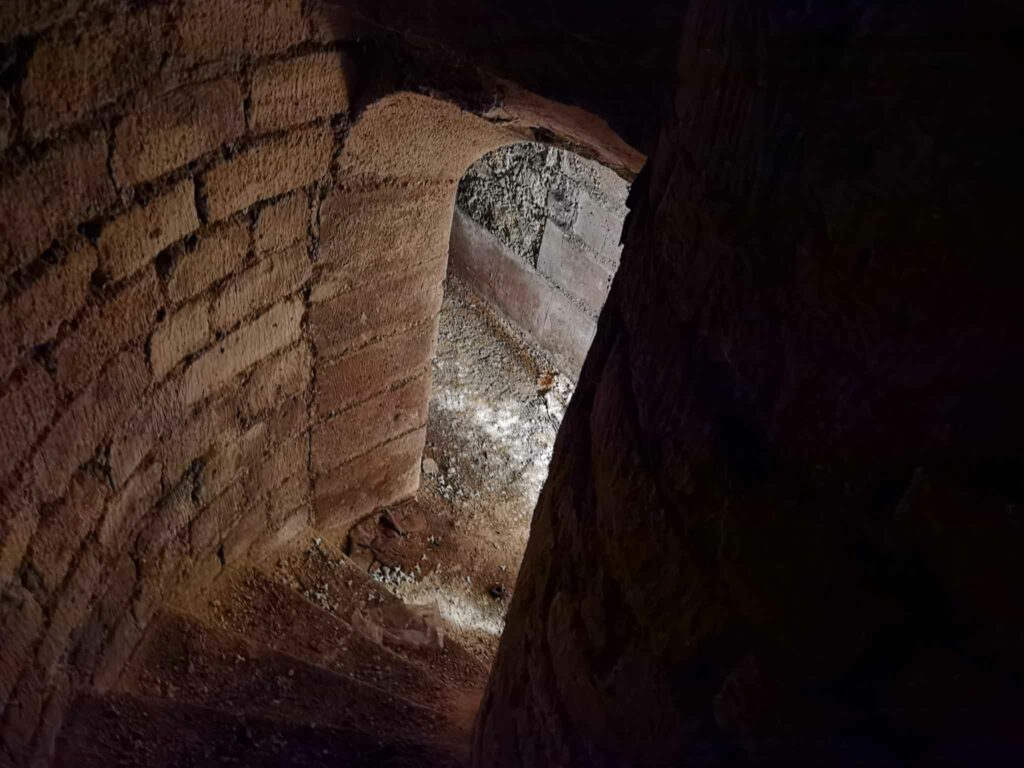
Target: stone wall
{"type": "Point", "coordinates": [219, 306]}
{"type": "Point", "coordinates": [536, 232]}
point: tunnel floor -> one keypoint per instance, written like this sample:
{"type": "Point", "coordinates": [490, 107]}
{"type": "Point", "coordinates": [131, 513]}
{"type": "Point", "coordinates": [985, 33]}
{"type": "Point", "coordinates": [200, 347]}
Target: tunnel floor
{"type": "Point", "coordinates": [496, 405]}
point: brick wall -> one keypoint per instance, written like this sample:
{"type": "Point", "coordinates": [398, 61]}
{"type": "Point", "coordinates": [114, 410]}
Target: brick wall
{"type": "Point", "coordinates": [536, 232]}
{"type": "Point", "coordinates": [219, 306]}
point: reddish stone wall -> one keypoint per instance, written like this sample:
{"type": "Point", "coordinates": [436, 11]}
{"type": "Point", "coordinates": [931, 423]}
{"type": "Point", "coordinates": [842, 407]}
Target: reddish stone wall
{"type": "Point", "coordinates": [219, 305]}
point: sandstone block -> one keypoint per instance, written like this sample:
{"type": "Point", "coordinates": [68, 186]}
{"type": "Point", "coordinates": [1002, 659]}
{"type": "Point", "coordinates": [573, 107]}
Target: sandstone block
{"type": "Point", "coordinates": [216, 255]}
{"type": "Point", "coordinates": [69, 184]}
{"type": "Point", "coordinates": [377, 309]}
{"type": "Point", "coordinates": [283, 223]}
{"type": "Point", "coordinates": [369, 424]}
{"type": "Point", "coordinates": [124, 317]}
{"type": "Point", "coordinates": [34, 315]}
{"type": "Point", "coordinates": [68, 78]}
{"type": "Point", "coordinates": [268, 169]}
{"type": "Point", "coordinates": [27, 404]}
{"type": "Point", "coordinates": [63, 527]}
{"type": "Point", "coordinates": [598, 227]}
{"type": "Point", "coordinates": [132, 240]}
{"type": "Point", "coordinates": [277, 328]}
{"type": "Point", "coordinates": [277, 379]}
{"type": "Point", "coordinates": [176, 129]}
{"type": "Point", "coordinates": [288, 93]}
{"type": "Point", "coordinates": [374, 368]}
{"type": "Point", "coordinates": [384, 229]}
{"type": "Point", "coordinates": [153, 422]}
{"type": "Point", "coordinates": [231, 29]}
{"type": "Point", "coordinates": [181, 334]}
{"type": "Point", "coordinates": [386, 474]}
{"type": "Point", "coordinates": [266, 281]}
{"type": "Point", "coordinates": [78, 432]}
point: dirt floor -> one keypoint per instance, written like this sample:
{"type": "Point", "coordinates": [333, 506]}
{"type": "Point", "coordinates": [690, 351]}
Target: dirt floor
{"type": "Point", "coordinates": [496, 406]}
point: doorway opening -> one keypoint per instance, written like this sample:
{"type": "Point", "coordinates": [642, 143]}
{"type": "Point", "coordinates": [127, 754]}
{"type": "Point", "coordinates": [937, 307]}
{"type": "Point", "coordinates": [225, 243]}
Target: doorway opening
{"type": "Point", "coordinates": [534, 247]}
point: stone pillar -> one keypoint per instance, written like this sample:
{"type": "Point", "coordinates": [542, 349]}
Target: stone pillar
{"type": "Point", "coordinates": [781, 519]}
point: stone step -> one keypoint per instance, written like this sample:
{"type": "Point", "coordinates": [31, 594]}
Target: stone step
{"type": "Point", "coordinates": [184, 659]}
{"type": "Point", "coordinates": [266, 612]}
{"type": "Point", "coordinates": [325, 576]}
{"type": "Point", "coordinates": [120, 729]}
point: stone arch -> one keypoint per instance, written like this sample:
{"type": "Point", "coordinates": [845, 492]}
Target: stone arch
{"type": "Point", "coordinates": [221, 285]}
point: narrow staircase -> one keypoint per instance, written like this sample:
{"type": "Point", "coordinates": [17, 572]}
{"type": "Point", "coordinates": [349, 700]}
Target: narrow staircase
{"type": "Point", "coordinates": [265, 669]}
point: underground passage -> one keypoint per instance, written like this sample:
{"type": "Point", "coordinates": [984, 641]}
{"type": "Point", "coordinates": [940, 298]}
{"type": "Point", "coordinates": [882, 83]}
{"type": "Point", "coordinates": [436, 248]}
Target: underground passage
{"type": "Point", "coordinates": [466, 383]}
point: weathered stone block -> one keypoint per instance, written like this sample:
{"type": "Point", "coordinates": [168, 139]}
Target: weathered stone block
{"type": "Point", "coordinates": [570, 268]}
{"type": "Point", "coordinates": [268, 169]}
{"type": "Point", "coordinates": [598, 227]}
{"type": "Point", "coordinates": [122, 318]}
{"type": "Point", "coordinates": [181, 334]}
{"type": "Point", "coordinates": [369, 424]}
{"type": "Point", "coordinates": [232, 29]}
{"type": "Point", "coordinates": [153, 422]}
{"type": "Point", "coordinates": [277, 328]}
{"type": "Point", "coordinates": [36, 313]}
{"type": "Point", "coordinates": [176, 129]}
{"type": "Point", "coordinates": [266, 281]}
{"type": "Point", "coordinates": [42, 200]}
{"type": "Point", "coordinates": [216, 255]}
{"type": "Point", "coordinates": [283, 223]}
{"type": "Point", "coordinates": [26, 408]}
{"type": "Point", "coordinates": [277, 379]}
{"type": "Point", "coordinates": [80, 429]}
{"type": "Point", "coordinates": [367, 371]}
{"type": "Point", "coordinates": [67, 78]}
{"type": "Point", "coordinates": [132, 240]}
{"type": "Point", "coordinates": [389, 228]}
{"type": "Point", "coordinates": [288, 93]}
{"type": "Point", "coordinates": [382, 476]}
{"type": "Point", "coordinates": [377, 309]}
{"type": "Point", "coordinates": [64, 525]}
{"type": "Point", "coordinates": [217, 420]}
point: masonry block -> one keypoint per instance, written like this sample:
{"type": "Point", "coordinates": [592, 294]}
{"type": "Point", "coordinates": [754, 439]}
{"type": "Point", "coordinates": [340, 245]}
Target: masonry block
{"type": "Point", "coordinates": [231, 29]}
{"type": "Point", "coordinates": [176, 129]}
{"type": "Point", "coordinates": [265, 282]}
{"type": "Point", "coordinates": [277, 328]}
{"type": "Point", "coordinates": [69, 77]}
{"type": "Point", "coordinates": [385, 229]}
{"type": "Point", "coordinates": [572, 269]}
{"type": "Point", "coordinates": [124, 317]}
{"type": "Point", "coordinates": [598, 227]}
{"type": "Point", "coordinates": [72, 607]}
{"type": "Point", "coordinates": [367, 371]}
{"type": "Point", "coordinates": [154, 421]}
{"type": "Point", "coordinates": [27, 404]}
{"type": "Point", "coordinates": [129, 506]}
{"type": "Point", "coordinates": [268, 170]}
{"type": "Point", "coordinates": [64, 525]}
{"type": "Point", "coordinates": [35, 314]}
{"type": "Point", "coordinates": [216, 254]}
{"type": "Point", "coordinates": [132, 240]}
{"type": "Point", "coordinates": [22, 621]}
{"type": "Point", "coordinates": [376, 309]}
{"type": "Point", "coordinates": [283, 223]}
{"type": "Point", "coordinates": [287, 93]}
{"type": "Point", "coordinates": [367, 425]}
{"type": "Point", "coordinates": [277, 379]}
{"type": "Point", "coordinates": [85, 423]}
{"type": "Point", "coordinates": [19, 517]}
{"type": "Point", "coordinates": [382, 476]}
{"type": "Point", "coordinates": [42, 200]}
{"type": "Point", "coordinates": [181, 334]}
{"type": "Point", "coordinates": [195, 436]}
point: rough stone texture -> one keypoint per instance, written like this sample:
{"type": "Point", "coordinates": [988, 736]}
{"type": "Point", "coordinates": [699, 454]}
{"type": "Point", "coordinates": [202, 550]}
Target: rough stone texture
{"type": "Point", "coordinates": [35, 314]}
{"type": "Point", "coordinates": [753, 546]}
{"type": "Point", "coordinates": [283, 223]}
{"type": "Point", "coordinates": [132, 240]}
{"type": "Point", "coordinates": [176, 129]}
{"type": "Point", "coordinates": [561, 216]}
{"type": "Point", "coordinates": [297, 91]}
{"type": "Point", "coordinates": [263, 283]}
{"type": "Point", "coordinates": [268, 170]}
{"type": "Point", "coordinates": [215, 256]}
{"type": "Point", "coordinates": [67, 185]}
{"type": "Point", "coordinates": [181, 334]}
